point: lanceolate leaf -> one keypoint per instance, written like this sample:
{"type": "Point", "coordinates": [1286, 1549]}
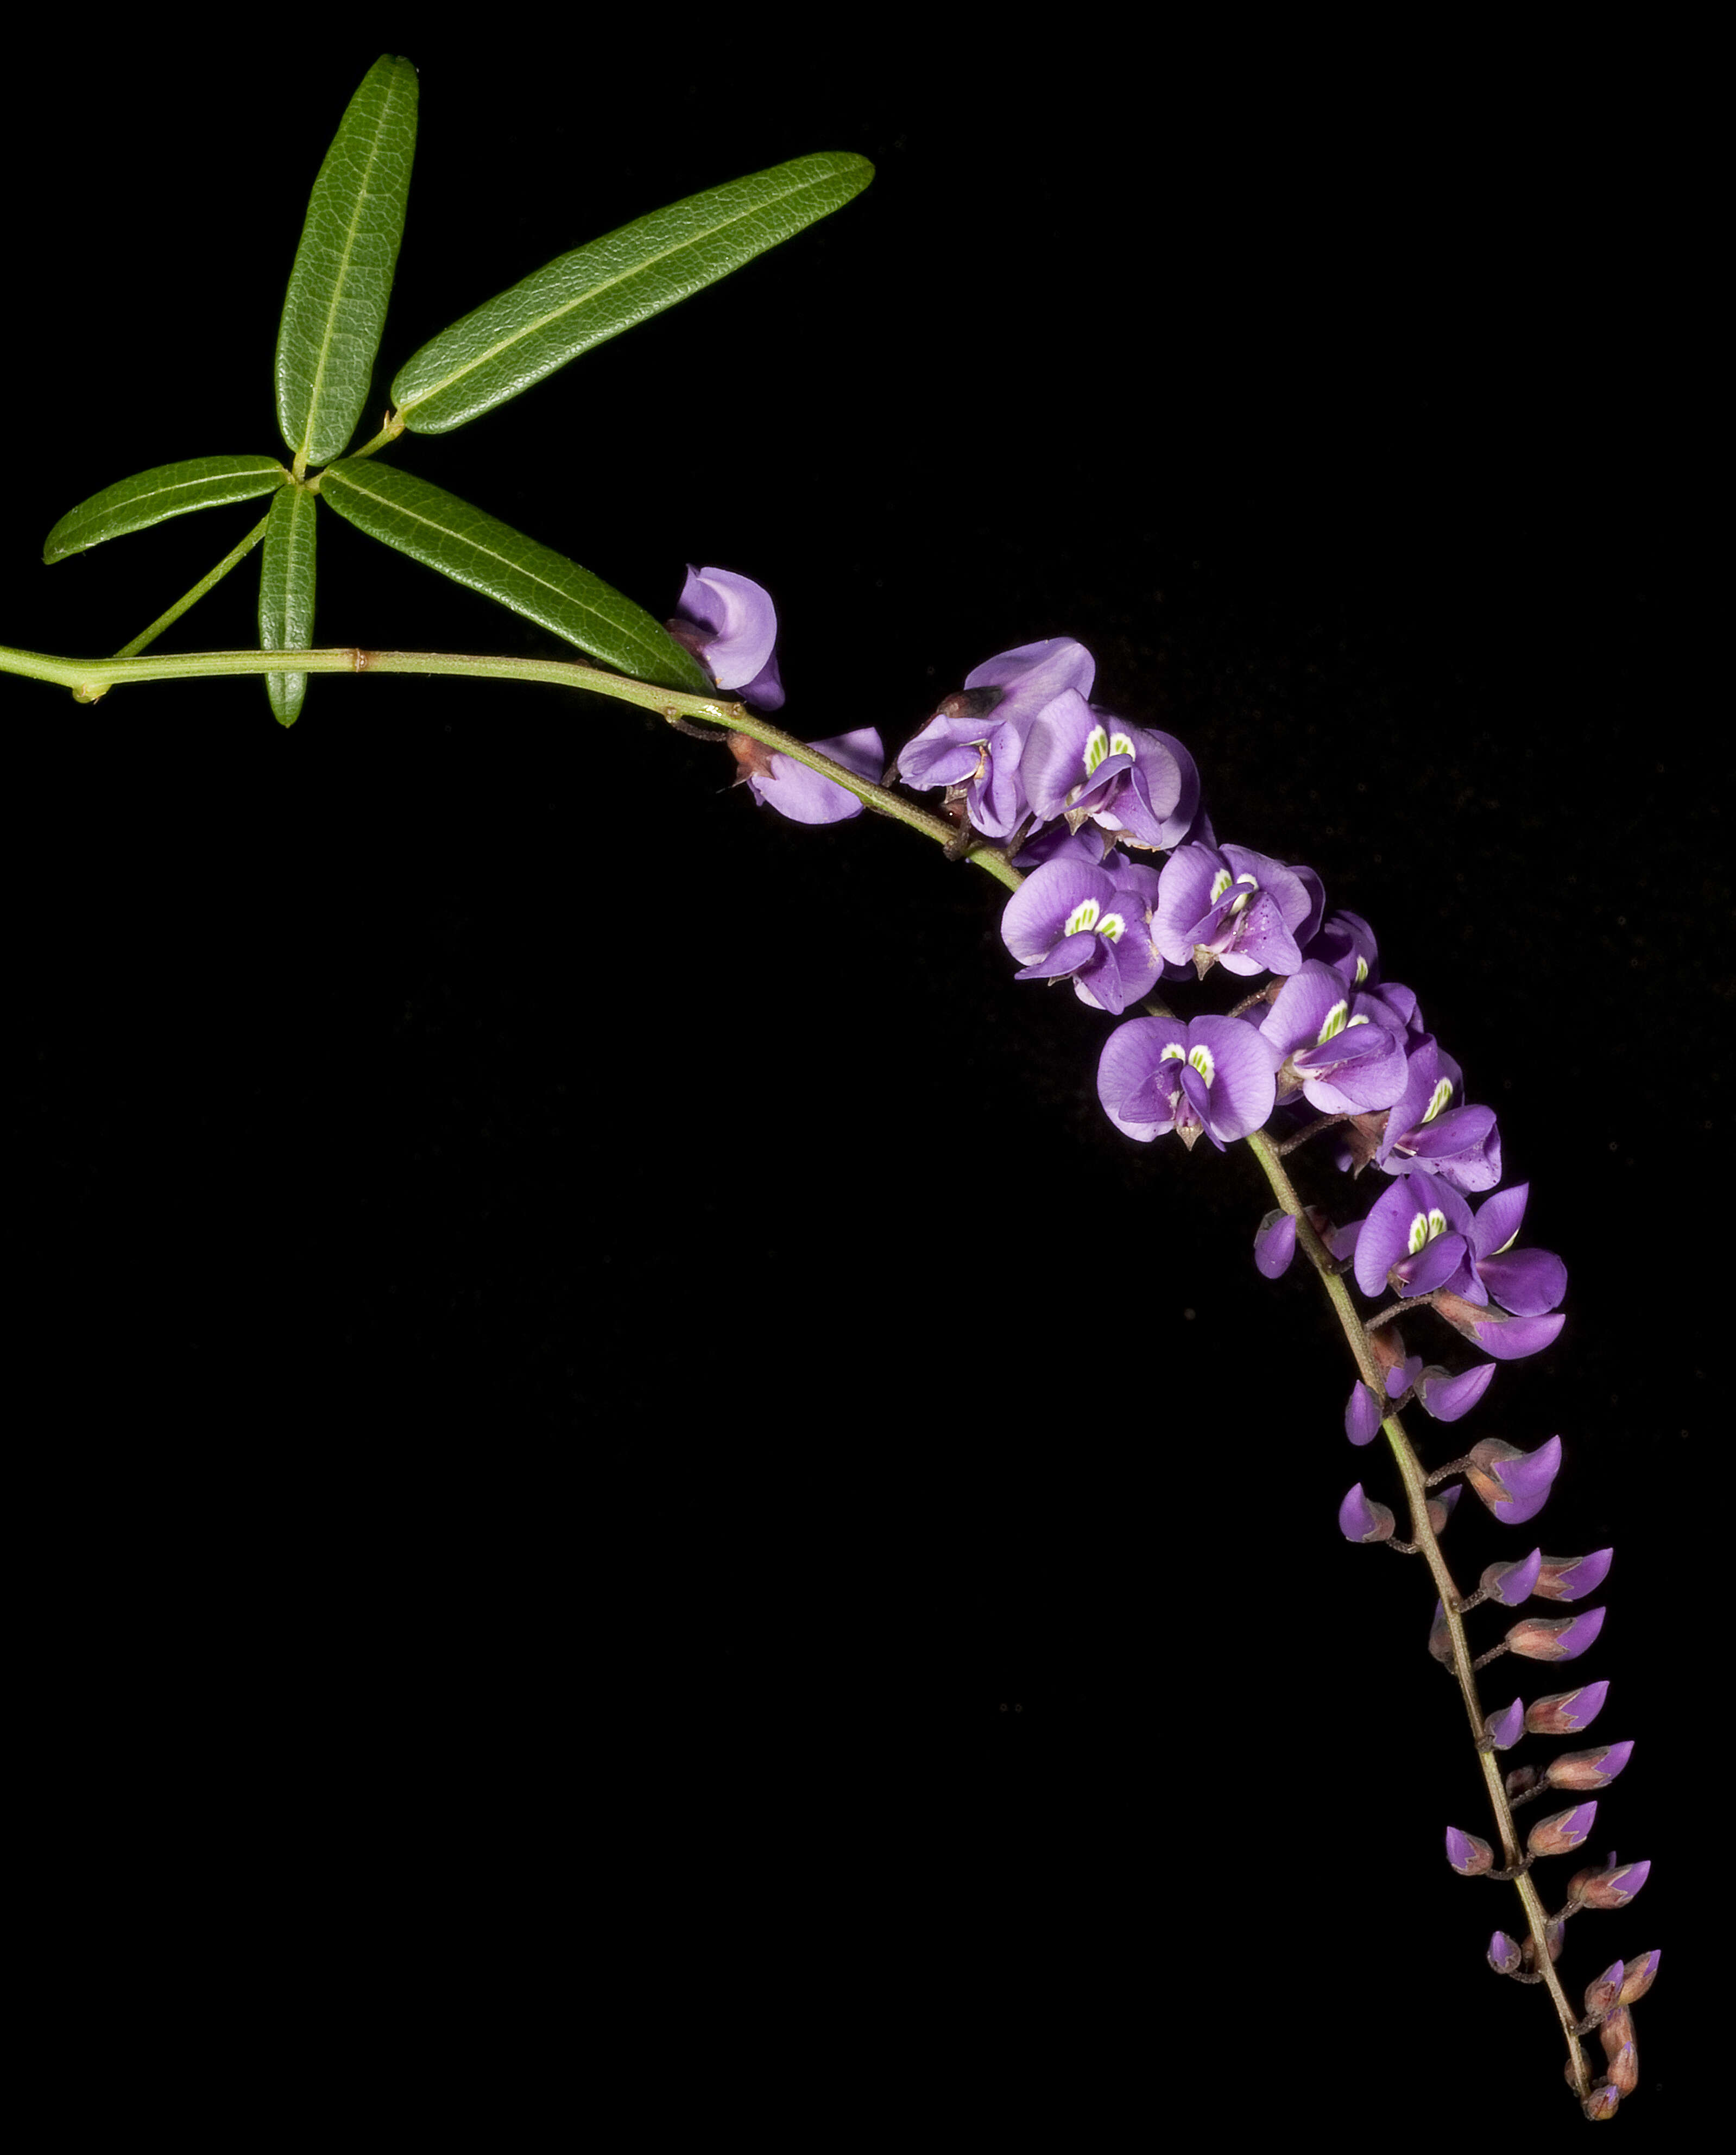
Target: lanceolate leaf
{"type": "Point", "coordinates": [580, 299]}
{"type": "Point", "coordinates": [286, 595]}
{"type": "Point", "coordinates": [473, 548]}
{"type": "Point", "coordinates": [342, 278]}
{"type": "Point", "coordinates": [148, 497]}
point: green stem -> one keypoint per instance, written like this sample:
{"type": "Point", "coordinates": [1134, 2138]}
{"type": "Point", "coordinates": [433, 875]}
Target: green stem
{"type": "Point", "coordinates": [1422, 1533]}
{"type": "Point", "coordinates": [207, 582]}
{"type": "Point", "coordinates": [91, 678]}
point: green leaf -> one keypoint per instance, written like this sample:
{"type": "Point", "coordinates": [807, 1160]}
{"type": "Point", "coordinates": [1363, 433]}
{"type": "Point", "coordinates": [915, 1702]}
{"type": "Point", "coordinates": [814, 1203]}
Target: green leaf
{"type": "Point", "coordinates": [474, 549]}
{"type": "Point", "coordinates": [148, 497]}
{"type": "Point", "coordinates": [286, 595]}
{"type": "Point", "coordinates": [581, 299]}
{"type": "Point", "coordinates": [342, 278]}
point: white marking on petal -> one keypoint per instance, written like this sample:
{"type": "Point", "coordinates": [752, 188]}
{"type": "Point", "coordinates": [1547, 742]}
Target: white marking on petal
{"type": "Point", "coordinates": [1200, 1059]}
{"type": "Point", "coordinates": [1334, 1023]}
{"type": "Point", "coordinates": [1174, 1051]}
{"type": "Point", "coordinates": [1119, 744]}
{"type": "Point", "coordinates": [1219, 884]}
{"type": "Point", "coordinates": [1111, 925]}
{"type": "Point", "coordinates": [1438, 1221]}
{"type": "Point", "coordinates": [1361, 1020]}
{"type": "Point", "coordinates": [1362, 969]}
{"type": "Point", "coordinates": [1082, 916]}
{"type": "Point", "coordinates": [1419, 1234]}
{"type": "Point", "coordinates": [1096, 747]}
{"type": "Point", "coordinates": [1438, 1098]}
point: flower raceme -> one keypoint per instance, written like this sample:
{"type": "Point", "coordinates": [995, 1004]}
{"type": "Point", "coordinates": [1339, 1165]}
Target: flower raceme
{"type": "Point", "coordinates": [1322, 1039]}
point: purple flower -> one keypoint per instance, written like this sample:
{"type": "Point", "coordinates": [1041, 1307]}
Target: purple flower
{"type": "Point", "coordinates": [1228, 905]}
{"type": "Point", "coordinates": [1511, 1583]}
{"type": "Point", "coordinates": [1506, 1956]}
{"type": "Point", "coordinates": [1448, 1398]}
{"type": "Point", "coordinates": [1334, 1052]}
{"type": "Point", "coordinates": [974, 744]}
{"type": "Point", "coordinates": [1425, 1130]}
{"type": "Point", "coordinates": [1346, 943]}
{"type": "Point", "coordinates": [1360, 1519]}
{"type": "Point", "coordinates": [1210, 1074]}
{"type": "Point", "coordinates": [777, 781]}
{"type": "Point", "coordinates": [1068, 920]}
{"type": "Point", "coordinates": [1415, 1236]}
{"type": "Point", "coordinates": [1079, 762]}
{"type": "Point", "coordinates": [1275, 1244]}
{"type": "Point", "coordinates": [1504, 1730]}
{"type": "Point", "coordinates": [730, 624]}
{"type": "Point", "coordinates": [1514, 1484]}
{"type": "Point", "coordinates": [1362, 1415]}
{"type": "Point", "coordinates": [1528, 1282]}
{"type": "Point", "coordinates": [1566, 1578]}
{"type": "Point", "coordinates": [1506, 1338]}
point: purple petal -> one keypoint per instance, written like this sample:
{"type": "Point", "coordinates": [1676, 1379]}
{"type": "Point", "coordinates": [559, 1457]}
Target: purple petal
{"type": "Point", "coordinates": [1566, 1578]}
{"type": "Point", "coordinates": [1361, 1520]}
{"type": "Point", "coordinates": [1448, 1398]}
{"type": "Point", "coordinates": [1505, 1729]}
{"type": "Point", "coordinates": [1566, 1712]}
{"type": "Point", "coordinates": [1275, 1244]}
{"type": "Point", "coordinates": [741, 623]}
{"type": "Point", "coordinates": [1362, 1415]}
{"type": "Point", "coordinates": [808, 796]}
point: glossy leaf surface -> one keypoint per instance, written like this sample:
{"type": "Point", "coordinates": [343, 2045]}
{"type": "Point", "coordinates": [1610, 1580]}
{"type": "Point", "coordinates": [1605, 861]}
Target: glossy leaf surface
{"type": "Point", "coordinates": [477, 550]}
{"type": "Point", "coordinates": [286, 595]}
{"type": "Point", "coordinates": [148, 497]}
{"type": "Point", "coordinates": [342, 280]}
{"type": "Point", "coordinates": [581, 299]}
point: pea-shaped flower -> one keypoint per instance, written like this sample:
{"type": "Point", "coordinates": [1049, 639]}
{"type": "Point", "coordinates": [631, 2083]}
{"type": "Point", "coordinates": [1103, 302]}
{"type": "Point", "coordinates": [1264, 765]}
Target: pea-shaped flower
{"type": "Point", "coordinates": [1069, 919]}
{"type": "Point", "coordinates": [1215, 1074]}
{"type": "Point", "coordinates": [730, 624]}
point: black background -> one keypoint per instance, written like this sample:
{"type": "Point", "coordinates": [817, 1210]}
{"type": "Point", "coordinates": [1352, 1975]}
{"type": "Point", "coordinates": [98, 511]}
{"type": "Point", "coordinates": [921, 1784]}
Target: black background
{"type": "Point", "coordinates": [540, 1266]}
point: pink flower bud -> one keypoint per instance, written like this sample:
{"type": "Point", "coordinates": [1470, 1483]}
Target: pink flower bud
{"type": "Point", "coordinates": [1589, 1769]}
{"type": "Point", "coordinates": [1555, 1638]}
{"type": "Point", "coordinates": [1561, 1831]}
{"type": "Point", "coordinates": [1613, 1886]}
{"type": "Point", "coordinates": [1468, 1855]}
{"type": "Point", "coordinates": [1566, 1712]}
{"type": "Point", "coordinates": [1566, 1578]}
{"type": "Point", "coordinates": [1616, 2034]}
{"type": "Point", "coordinates": [1601, 2102]}
{"type": "Point", "coordinates": [1642, 1974]}
{"type": "Point", "coordinates": [1602, 1991]}
{"type": "Point", "coordinates": [1505, 1956]}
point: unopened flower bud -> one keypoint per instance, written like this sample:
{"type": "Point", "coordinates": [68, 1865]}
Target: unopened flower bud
{"type": "Point", "coordinates": [1642, 1974]}
{"type": "Point", "coordinates": [1448, 1398]}
{"type": "Point", "coordinates": [1521, 1780]}
{"type": "Point", "coordinates": [1275, 1244]}
{"type": "Point", "coordinates": [1505, 1957]}
{"type": "Point", "coordinates": [1616, 2034]}
{"type": "Point", "coordinates": [1589, 1769]}
{"type": "Point", "coordinates": [1514, 1484]}
{"type": "Point", "coordinates": [1511, 1583]}
{"type": "Point", "coordinates": [1441, 1637]}
{"type": "Point", "coordinates": [1602, 2101]}
{"type": "Point", "coordinates": [1561, 1831]}
{"type": "Point", "coordinates": [1554, 1933]}
{"type": "Point", "coordinates": [1362, 1415]}
{"type": "Point", "coordinates": [1566, 1712]}
{"type": "Point", "coordinates": [1504, 1730]}
{"type": "Point", "coordinates": [1555, 1638]}
{"type": "Point", "coordinates": [1566, 1578]}
{"type": "Point", "coordinates": [1603, 1990]}
{"type": "Point", "coordinates": [1361, 1520]}
{"type": "Point", "coordinates": [1442, 1506]}
{"type": "Point", "coordinates": [1613, 1886]}
{"type": "Point", "coordinates": [1468, 1855]}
